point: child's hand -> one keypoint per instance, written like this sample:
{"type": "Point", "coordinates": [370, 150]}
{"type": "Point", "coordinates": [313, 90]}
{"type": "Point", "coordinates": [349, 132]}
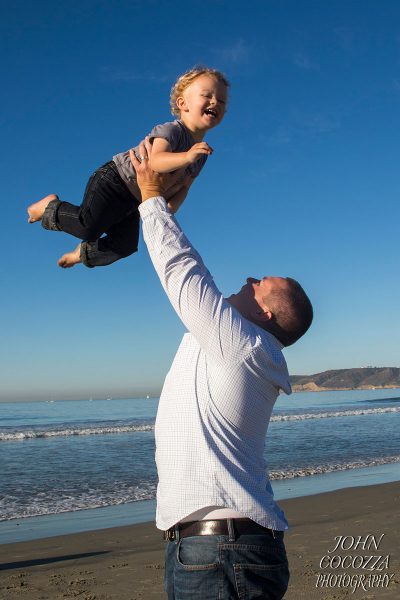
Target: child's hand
{"type": "Point", "coordinates": [197, 150]}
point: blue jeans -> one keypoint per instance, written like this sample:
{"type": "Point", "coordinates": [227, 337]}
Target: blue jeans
{"type": "Point", "coordinates": [107, 220]}
{"type": "Point", "coordinates": [213, 567]}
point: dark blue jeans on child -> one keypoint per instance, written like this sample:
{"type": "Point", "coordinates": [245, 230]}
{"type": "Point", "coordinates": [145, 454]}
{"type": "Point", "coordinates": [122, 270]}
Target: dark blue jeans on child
{"type": "Point", "coordinates": [107, 220]}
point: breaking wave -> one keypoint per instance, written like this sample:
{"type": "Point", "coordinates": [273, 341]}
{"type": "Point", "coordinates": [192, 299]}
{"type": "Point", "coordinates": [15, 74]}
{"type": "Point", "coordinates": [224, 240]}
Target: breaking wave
{"type": "Point", "coordinates": [55, 502]}
{"type": "Point", "coordinates": [51, 503]}
{"type": "Point", "coordinates": [70, 431]}
{"type": "Point", "coordinates": [106, 429]}
{"type": "Point", "coordinates": [339, 413]}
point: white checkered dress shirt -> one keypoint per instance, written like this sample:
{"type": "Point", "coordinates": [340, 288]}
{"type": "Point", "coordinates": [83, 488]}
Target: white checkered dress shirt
{"type": "Point", "coordinates": [218, 396]}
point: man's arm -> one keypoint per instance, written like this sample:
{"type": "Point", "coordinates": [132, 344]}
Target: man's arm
{"type": "Point", "coordinates": [220, 330]}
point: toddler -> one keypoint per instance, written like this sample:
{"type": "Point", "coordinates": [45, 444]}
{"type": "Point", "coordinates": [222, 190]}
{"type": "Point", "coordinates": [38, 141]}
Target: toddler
{"type": "Point", "coordinates": [108, 220]}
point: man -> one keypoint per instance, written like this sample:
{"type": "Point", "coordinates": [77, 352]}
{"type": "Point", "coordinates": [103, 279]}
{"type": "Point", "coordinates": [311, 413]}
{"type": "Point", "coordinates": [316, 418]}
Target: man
{"type": "Point", "coordinates": [214, 499]}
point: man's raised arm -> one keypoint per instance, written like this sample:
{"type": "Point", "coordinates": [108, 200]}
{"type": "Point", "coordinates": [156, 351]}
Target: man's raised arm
{"type": "Point", "coordinates": [219, 329]}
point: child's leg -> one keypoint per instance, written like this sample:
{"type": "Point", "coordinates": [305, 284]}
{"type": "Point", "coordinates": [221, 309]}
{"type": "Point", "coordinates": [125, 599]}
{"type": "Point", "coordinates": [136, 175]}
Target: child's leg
{"type": "Point", "coordinates": [70, 259]}
{"type": "Point", "coordinates": [36, 210]}
{"type": "Point", "coordinates": [106, 201]}
{"type": "Point", "coordinates": [120, 241]}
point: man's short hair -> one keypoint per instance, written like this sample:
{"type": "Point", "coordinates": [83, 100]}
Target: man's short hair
{"type": "Point", "coordinates": [187, 78]}
{"type": "Point", "coordinates": [292, 312]}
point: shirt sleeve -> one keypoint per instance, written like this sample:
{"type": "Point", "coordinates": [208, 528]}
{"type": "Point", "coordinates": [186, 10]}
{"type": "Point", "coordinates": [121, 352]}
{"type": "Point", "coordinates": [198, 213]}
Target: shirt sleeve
{"type": "Point", "coordinates": [218, 327]}
{"type": "Point", "coordinates": [167, 131]}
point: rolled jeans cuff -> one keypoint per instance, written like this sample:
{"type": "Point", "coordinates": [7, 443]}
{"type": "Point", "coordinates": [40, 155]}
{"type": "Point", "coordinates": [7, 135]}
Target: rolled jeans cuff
{"type": "Point", "coordinates": [49, 218]}
{"type": "Point", "coordinates": [85, 255]}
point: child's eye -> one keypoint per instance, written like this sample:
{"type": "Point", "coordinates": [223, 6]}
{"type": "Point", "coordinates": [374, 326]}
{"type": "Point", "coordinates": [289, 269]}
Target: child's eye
{"type": "Point", "coordinates": [221, 101]}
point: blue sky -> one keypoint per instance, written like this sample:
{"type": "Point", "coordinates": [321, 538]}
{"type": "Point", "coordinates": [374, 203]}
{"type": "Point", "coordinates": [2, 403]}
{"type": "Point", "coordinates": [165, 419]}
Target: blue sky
{"type": "Point", "coordinates": [304, 180]}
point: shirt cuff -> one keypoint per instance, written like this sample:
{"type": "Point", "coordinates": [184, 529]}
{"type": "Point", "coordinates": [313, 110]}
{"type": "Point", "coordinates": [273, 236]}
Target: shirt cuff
{"type": "Point", "coordinates": [158, 203]}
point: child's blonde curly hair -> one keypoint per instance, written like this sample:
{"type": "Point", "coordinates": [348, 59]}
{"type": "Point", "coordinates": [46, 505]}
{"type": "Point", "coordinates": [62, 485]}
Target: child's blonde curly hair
{"type": "Point", "coordinates": [187, 78]}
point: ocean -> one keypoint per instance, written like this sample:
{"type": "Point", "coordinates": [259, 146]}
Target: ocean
{"type": "Point", "coordinates": [95, 458]}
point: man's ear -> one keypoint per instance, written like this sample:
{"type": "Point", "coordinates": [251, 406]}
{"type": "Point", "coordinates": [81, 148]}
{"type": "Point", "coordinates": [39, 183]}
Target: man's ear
{"type": "Point", "coordinates": [264, 315]}
{"type": "Point", "coordinates": [181, 103]}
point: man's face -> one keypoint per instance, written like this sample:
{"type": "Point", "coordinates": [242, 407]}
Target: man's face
{"type": "Point", "coordinates": [251, 300]}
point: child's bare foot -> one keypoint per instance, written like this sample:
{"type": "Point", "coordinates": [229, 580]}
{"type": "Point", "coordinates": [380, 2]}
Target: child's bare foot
{"type": "Point", "coordinates": [70, 258]}
{"type": "Point", "coordinates": [36, 210]}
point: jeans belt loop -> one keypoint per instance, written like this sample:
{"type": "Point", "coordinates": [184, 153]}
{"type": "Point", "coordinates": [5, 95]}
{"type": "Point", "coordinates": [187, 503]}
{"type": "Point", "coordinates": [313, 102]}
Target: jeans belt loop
{"type": "Point", "coordinates": [171, 534]}
{"type": "Point", "coordinates": [177, 536]}
{"type": "Point", "coordinates": [231, 530]}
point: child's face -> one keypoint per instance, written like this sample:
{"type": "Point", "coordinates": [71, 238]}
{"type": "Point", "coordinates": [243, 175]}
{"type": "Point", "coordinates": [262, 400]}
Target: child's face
{"type": "Point", "coordinates": [203, 103]}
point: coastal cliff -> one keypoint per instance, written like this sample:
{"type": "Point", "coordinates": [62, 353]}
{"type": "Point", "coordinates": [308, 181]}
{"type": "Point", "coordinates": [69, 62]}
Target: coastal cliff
{"type": "Point", "coordinates": [365, 378]}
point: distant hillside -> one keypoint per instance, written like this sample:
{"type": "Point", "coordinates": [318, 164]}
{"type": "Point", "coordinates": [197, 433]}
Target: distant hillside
{"type": "Point", "coordinates": [348, 379]}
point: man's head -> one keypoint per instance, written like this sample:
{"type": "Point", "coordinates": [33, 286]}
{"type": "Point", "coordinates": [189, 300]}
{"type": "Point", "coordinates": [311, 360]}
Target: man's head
{"type": "Point", "coordinates": [200, 96]}
{"type": "Point", "coordinates": [277, 304]}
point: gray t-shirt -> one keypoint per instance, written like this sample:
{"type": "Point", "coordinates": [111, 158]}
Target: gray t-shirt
{"type": "Point", "coordinates": [179, 138]}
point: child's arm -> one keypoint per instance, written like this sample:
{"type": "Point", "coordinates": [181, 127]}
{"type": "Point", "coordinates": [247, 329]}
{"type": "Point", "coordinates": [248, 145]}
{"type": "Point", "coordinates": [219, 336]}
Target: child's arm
{"type": "Point", "coordinates": [163, 160]}
{"type": "Point", "coordinates": [176, 200]}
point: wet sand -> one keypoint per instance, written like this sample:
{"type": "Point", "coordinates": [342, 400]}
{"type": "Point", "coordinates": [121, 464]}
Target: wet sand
{"type": "Point", "coordinates": [126, 563]}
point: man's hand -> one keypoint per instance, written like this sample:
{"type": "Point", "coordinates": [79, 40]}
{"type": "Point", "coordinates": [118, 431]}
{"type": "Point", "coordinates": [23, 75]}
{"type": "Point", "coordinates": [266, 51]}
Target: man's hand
{"type": "Point", "coordinates": [198, 150]}
{"type": "Point", "coordinates": [151, 183]}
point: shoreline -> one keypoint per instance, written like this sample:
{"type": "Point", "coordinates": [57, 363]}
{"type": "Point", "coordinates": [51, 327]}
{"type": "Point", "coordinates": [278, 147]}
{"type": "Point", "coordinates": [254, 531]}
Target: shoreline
{"type": "Point", "coordinates": [43, 526]}
{"type": "Point", "coordinates": [126, 563]}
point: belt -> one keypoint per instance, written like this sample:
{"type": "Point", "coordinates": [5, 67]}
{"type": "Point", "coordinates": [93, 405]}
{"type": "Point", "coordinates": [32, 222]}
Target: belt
{"type": "Point", "coordinates": [218, 527]}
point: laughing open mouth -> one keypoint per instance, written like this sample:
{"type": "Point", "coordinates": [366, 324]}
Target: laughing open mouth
{"type": "Point", "coordinates": [211, 112]}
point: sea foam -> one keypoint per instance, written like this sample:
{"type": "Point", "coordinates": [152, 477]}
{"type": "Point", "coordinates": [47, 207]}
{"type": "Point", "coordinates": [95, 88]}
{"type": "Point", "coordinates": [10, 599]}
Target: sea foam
{"type": "Point", "coordinates": [28, 434]}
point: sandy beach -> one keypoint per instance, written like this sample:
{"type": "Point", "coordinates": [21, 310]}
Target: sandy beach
{"type": "Point", "coordinates": [126, 563]}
